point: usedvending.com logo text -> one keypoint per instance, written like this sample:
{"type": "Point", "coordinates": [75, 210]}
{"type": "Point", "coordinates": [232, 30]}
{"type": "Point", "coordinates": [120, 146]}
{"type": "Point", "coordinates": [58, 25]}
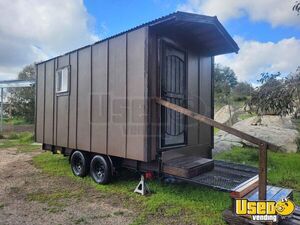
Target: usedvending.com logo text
{"type": "Point", "coordinates": [264, 210]}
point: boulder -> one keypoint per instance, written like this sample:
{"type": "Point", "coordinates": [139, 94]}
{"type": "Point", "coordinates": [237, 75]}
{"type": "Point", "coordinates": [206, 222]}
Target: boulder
{"type": "Point", "coordinates": [223, 115]}
{"type": "Point", "coordinates": [278, 121]}
{"type": "Point", "coordinates": [274, 129]}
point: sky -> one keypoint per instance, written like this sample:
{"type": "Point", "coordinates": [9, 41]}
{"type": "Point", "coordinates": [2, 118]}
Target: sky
{"type": "Point", "coordinates": [267, 32]}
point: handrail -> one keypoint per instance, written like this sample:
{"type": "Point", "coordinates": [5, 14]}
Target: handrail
{"type": "Point", "coordinates": [263, 145]}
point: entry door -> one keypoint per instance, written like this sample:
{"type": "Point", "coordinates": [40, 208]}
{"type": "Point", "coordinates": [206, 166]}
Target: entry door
{"type": "Point", "coordinates": [173, 89]}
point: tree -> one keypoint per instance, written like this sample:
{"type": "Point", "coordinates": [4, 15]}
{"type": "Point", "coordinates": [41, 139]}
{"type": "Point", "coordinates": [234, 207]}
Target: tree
{"type": "Point", "coordinates": [296, 7]}
{"type": "Point", "coordinates": [225, 80]}
{"type": "Point", "coordinates": [274, 96]}
{"type": "Point", "coordinates": [21, 100]}
{"type": "Point", "coordinates": [294, 82]}
{"type": "Point", "coordinates": [242, 91]}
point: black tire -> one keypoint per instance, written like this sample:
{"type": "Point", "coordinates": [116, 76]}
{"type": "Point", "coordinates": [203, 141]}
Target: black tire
{"type": "Point", "coordinates": [100, 169]}
{"type": "Point", "coordinates": [79, 164]}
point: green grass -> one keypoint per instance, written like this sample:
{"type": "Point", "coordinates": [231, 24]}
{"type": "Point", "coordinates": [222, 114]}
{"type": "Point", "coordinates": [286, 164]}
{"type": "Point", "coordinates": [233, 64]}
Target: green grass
{"type": "Point", "coordinates": [245, 116]}
{"type": "Point", "coordinates": [15, 121]}
{"type": "Point", "coordinates": [56, 201]}
{"type": "Point", "coordinates": [283, 169]}
{"type": "Point", "coordinates": [168, 203]}
{"type": "Point", "coordinates": [52, 198]}
{"type": "Point", "coordinates": [185, 203]}
{"type": "Point", "coordinates": [22, 141]}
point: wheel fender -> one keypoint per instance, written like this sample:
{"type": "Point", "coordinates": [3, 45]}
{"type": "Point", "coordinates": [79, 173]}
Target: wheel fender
{"type": "Point", "coordinates": [112, 168]}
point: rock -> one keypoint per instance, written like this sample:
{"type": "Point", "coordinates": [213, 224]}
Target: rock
{"type": "Point", "coordinates": [223, 115]}
{"type": "Point", "coordinates": [277, 121]}
{"type": "Point", "coordinates": [225, 145]}
{"type": "Point", "coordinates": [274, 129]}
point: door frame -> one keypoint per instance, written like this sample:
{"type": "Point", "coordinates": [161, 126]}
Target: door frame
{"type": "Point", "coordinates": [162, 42]}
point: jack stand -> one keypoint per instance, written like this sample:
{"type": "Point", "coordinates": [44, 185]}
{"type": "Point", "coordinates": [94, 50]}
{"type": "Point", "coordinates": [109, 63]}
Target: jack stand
{"type": "Point", "coordinates": [142, 188]}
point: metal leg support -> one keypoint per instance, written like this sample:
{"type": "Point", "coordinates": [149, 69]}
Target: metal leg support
{"type": "Point", "coordinates": [142, 188]}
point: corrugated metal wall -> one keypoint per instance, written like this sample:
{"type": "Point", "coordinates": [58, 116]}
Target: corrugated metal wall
{"type": "Point", "coordinates": [40, 102]}
{"type": "Point", "coordinates": [105, 109]}
{"type": "Point", "coordinates": [49, 102]}
{"type": "Point", "coordinates": [61, 110]}
{"type": "Point", "coordinates": [199, 97]}
{"type": "Point", "coordinates": [205, 100]}
{"type": "Point", "coordinates": [99, 98]}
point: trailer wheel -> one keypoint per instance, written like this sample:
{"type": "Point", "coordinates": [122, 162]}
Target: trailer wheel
{"type": "Point", "coordinates": [79, 164]}
{"type": "Point", "coordinates": [100, 169]}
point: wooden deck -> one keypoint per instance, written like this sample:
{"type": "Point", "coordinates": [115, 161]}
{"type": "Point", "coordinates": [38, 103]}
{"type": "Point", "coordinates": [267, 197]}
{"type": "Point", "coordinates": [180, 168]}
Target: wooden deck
{"type": "Point", "coordinates": [225, 176]}
{"type": "Point", "coordinates": [188, 166]}
{"type": "Point", "coordinates": [262, 144]}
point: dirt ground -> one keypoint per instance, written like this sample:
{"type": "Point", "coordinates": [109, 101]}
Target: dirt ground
{"type": "Point", "coordinates": [28, 196]}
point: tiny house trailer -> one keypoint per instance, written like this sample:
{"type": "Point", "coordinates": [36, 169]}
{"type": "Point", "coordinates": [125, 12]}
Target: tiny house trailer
{"type": "Point", "coordinates": [97, 103]}
{"type": "Point", "coordinates": [135, 100]}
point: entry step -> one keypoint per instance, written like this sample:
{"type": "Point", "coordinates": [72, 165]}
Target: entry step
{"type": "Point", "coordinates": [188, 166]}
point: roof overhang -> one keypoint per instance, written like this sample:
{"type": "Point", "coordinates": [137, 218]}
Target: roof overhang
{"type": "Point", "coordinates": [204, 33]}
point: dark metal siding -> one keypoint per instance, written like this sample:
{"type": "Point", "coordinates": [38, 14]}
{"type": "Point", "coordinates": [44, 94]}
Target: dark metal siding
{"type": "Point", "coordinates": [84, 94]}
{"type": "Point", "coordinates": [117, 97]}
{"type": "Point", "coordinates": [136, 104]}
{"type": "Point", "coordinates": [49, 101]}
{"type": "Point", "coordinates": [105, 110]}
{"type": "Point", "coordinates": [99, 98]}
{"type": "Point", "coordinates": [40, 103]}
{"type": "Point", "coordinates": [205, 102]}
{"type": "Point", "coordinates": [73, 102]}
{"type": "Point", "coordinates": [153, 91]}
{"type": "Point", "coordinates": [193, 96]}
{"type": "Point", "coordinates": [62, 108]}
{"type": "Point", "coordinates": [54, 104]}
{"type": "Point", "coordinates": [116, 123]}
{"type": "Point", "coordinates": [117, 68]}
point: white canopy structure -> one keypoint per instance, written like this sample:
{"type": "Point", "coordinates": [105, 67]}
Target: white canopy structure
{"type": "Point", "coordinates": [12, 84]}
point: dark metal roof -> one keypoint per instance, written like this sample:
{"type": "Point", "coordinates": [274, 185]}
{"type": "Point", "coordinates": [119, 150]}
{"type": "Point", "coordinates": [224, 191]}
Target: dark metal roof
{"type": "Point", "coordinates": [193, 22]}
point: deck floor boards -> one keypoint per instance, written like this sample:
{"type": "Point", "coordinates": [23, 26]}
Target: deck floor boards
{"type": "Point", "coordinates": [225, 176]}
